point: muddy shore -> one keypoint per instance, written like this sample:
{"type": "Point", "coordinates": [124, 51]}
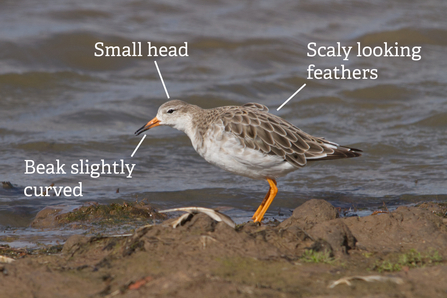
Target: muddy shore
{"type": "Point", "coordinates": [314, 253]}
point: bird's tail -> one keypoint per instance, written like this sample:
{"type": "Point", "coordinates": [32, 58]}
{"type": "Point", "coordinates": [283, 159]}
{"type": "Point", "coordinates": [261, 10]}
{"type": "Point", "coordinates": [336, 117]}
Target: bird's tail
{"type": "Point", "coordinates": [334, 151]}
{"type": "Point", "coordinates": [343, 152]}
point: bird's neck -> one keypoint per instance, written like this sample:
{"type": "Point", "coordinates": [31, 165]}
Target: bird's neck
{"type": "Point", "coordinates": [192, 126]}
{"type": "Point", "coordinates": [198, 127]}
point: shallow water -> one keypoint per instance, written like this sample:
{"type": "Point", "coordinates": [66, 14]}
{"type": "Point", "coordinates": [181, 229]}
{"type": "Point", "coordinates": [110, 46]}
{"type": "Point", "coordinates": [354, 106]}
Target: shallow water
{"type": "Point", "coordinates": [58, 101]}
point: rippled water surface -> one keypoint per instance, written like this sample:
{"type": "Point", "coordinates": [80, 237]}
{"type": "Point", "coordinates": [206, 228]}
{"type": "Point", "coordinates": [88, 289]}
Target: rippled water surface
{"type": "Point", "coordinates": [59, 101]}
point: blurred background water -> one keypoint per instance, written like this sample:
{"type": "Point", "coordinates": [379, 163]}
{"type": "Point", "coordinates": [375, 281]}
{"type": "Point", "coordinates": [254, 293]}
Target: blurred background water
{"type": "Point", "coordinates": [59, 101]}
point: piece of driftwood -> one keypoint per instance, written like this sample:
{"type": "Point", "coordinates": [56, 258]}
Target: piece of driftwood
{"type": "Point", "coordinates": [347, 280]}
{"type": "Point", "coordinates": [6, 260]}
{"type": "Point", "coordinates": [216, 215]}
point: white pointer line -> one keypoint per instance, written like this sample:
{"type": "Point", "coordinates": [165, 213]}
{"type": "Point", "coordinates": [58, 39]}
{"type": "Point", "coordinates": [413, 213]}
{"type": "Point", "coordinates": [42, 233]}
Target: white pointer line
{"type": "Point", "coordinates": [304, 85]}
{"type": "Point", "coordinates": [161, 78]}
{"type": "Point", "coordinates": [141, 141]}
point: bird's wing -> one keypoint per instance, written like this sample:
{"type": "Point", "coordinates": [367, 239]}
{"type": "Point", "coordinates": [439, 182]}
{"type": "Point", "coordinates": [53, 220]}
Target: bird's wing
{"type": "Point", "coordinates": [256, 106]}
{"type": "Point", "coordinates": [270, 134]}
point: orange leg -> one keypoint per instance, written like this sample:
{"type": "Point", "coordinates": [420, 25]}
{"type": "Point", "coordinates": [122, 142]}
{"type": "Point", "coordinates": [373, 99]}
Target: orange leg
{"type": "Point", "coordinates": [262, 205]}
{"type": "Point", "coordinates": [273, 190]}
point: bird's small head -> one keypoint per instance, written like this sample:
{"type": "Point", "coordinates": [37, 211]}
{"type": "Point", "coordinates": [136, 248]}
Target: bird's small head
{"type": "Point", "coordinates": [174, 113]}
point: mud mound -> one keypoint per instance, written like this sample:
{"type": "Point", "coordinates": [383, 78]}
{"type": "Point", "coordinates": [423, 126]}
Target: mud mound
{"type": "Point", "coordinates": [114, 213]}
{"type": "Point", "coordinates": [311, 213]}
{"type": "Point", "coordinates": [405, 228]}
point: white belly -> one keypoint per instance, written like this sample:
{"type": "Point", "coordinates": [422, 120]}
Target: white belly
{"type": "Point", "coordinates": [224, 150]}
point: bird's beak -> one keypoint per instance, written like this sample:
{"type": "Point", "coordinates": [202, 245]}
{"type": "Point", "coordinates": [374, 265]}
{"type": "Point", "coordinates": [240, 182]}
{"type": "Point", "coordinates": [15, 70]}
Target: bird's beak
{"type": "Point", "coordinates": [154, 122]}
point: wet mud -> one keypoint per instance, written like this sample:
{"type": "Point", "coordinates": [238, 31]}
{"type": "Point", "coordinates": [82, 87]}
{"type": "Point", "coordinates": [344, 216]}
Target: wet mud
{"type": "Point", "coordinates": [314, 253]}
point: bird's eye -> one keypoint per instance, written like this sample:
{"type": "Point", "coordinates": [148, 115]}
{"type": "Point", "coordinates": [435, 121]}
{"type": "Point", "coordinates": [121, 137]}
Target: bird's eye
{"type": "Point", "coordinates": [170, 111]}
